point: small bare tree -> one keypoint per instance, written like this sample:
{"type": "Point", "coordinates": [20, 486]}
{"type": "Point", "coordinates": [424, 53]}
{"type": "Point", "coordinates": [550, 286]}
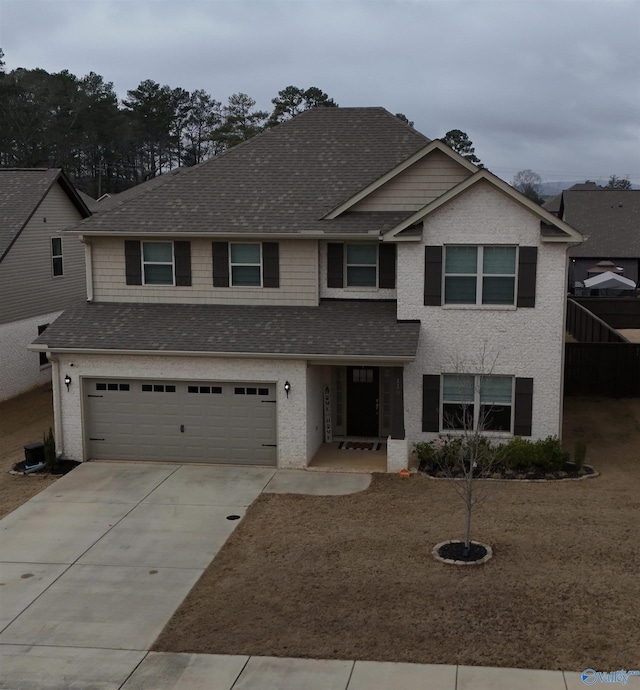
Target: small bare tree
{"type": "Point", "coordinates": [473, 403]}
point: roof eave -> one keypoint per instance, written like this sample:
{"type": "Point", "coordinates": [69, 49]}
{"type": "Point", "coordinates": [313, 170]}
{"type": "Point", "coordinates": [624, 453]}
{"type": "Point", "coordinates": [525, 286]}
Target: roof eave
{"type": "Point", "coordinates": [570, 235]}
{"type": "Point", "coordinates": [315, 356]}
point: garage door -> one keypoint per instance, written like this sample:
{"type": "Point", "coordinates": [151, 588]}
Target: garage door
{"type": "Point", "coordinates": [180, 421]}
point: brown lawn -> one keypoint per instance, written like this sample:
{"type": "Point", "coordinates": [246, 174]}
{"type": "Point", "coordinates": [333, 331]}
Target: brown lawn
{"type": "Point", "coordinates": [24, 419]}
{"type": "Point", "coordinates": [352, 577]}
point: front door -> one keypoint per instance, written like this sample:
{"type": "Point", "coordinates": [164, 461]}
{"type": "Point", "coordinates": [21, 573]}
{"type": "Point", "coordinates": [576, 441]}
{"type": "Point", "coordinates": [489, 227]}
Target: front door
{"type": "Point", "coordinates": [362, 401]}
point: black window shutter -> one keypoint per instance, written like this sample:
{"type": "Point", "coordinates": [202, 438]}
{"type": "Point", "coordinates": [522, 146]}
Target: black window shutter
{"type": "Point", "coordinates": [527, 262]}
{"type": "Point", "coordinates": [182, 254]}
{"type": "Point", "coordinates": [133, 262]}
{"type": "Point", "coordinates": [431, 402]}
{"type": "Point", "coordinates": [220, 252]}
{"type": "Point", "coordinates": [270, 265]}
{"type": "Point", "coordinates": [335, 265]}
{"type": "Point", "coordinates": [433, 276]}
{"type": "Point", "coordinates": [523, 407]}
{"type": "Point", "coordinates": [387, 265]}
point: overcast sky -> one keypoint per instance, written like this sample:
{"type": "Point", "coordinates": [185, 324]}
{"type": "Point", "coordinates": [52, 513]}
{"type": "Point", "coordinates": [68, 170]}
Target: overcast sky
{"type": "Point", "coordinates": [552, 85]}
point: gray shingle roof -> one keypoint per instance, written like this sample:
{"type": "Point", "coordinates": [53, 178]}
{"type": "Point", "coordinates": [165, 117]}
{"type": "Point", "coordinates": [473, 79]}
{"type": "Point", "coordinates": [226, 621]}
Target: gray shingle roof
{"type": "Point", "coordinates": [336, 328]}
{"type": "Point", "coordinates": [21, 191]}
{"type": "Point", "coordinates": [281, 181]}
{"type": "Point", "coordinates": [609, 220]}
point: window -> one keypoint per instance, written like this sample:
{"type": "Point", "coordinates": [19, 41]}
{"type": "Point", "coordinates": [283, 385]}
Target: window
{"type": "Point", "coordinates": [246, 265]}
{"type": "Point", "coordinates": [472, 402]}
{"type": "Point", "coordinates": [362, 265]}
{"type": "Point", "coordinates": [480, 275]}
{"type": "Point", "coordinates": [56, 256]}
{"type": "Point", "coordinates": [157, 263]}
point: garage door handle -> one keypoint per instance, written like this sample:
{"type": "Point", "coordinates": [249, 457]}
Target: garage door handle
{"type": "Point", "coordinates": [95, 439]}
{"type": "Point", "coordinates": [182, 428]}
{"type": "Point", "coordinates": [269, 445]}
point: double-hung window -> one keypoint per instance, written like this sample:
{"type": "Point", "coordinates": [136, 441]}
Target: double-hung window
{"type": "Point", "coordinates": [480, 275]}
{"type": "Point", "coordinates": [245, 264]}
{"type": "Point", "coordinates": [472, 402]}
{"type": "Point", "coordinates": [157, 263]}
{"type": "Point", "coordinates": [361, 265]}
{"type": "Point", "coordinates": [57, 268]}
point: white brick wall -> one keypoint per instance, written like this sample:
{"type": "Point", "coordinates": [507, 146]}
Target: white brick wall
{"type": "Point", "coordinates": [20, 369]}
{"type": "Point", "coordinates": [292, 416]}
{"type": "Point", "coordinates": [525, 342]}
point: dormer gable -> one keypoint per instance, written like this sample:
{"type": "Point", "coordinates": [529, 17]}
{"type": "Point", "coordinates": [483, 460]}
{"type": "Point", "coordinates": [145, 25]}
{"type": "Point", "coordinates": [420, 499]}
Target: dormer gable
{"type": "Point", "coordinates": [416, 181]}
{"type": "Point", "coordinates": [552, 229]}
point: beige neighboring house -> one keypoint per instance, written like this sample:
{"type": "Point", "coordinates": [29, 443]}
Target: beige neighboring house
{"type": "Point", "coordinates": [330, 278]}
{"type": "Point", "coordinates": [41, 271]}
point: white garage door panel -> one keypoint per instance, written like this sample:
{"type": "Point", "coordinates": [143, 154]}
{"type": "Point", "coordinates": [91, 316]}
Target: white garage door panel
{"type": "Point", "coordinates": [181, 421]}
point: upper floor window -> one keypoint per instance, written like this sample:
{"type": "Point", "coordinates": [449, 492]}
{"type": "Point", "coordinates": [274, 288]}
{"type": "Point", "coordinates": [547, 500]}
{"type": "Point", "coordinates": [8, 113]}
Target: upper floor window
{"type": "Point", "coordinates": [157, 263]}
{"type": "Point", "coordinates": [56, 256]}
{"type": "Point", "coordinates": [245, 264]}
{"type": "Point", "coordinates": [361, 265]}
{"type": "Point", "coordinates": [479, 275]}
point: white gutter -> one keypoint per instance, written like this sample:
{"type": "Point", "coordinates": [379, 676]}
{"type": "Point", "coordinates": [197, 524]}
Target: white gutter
{"type": "Point", "coordinates": [57, 405]}
{"type": "Point", "coordinates": [315, 357]}
{"type": "Point", "coordinates": [88, 265]}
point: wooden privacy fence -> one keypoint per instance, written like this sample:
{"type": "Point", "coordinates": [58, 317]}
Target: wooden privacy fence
{"type": "Point", "coordinates": [586, 327]}
{"type": "Point", "coordinates": [603, 362]}
{"type": "Point", "coordinates": [608, 369]}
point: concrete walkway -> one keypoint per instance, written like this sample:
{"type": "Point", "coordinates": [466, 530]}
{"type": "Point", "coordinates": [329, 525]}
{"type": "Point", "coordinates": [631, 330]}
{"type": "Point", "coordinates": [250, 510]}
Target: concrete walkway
{"type": "Point", "coordinates": [93, 567]}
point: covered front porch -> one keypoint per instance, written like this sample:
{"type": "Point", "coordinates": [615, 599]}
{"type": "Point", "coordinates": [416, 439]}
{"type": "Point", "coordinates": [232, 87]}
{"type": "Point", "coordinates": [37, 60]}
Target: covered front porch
{"type": "Point", "coordinates": [362, 418]}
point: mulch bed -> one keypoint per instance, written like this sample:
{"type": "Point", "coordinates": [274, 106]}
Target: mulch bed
{"type": "Point", "coordinates": [455, 551]}
{"type": "Point", "coordinates": [570, 471]}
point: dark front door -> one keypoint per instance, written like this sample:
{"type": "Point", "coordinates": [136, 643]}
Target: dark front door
{"type": "Point", "coordinates": [362, 401]}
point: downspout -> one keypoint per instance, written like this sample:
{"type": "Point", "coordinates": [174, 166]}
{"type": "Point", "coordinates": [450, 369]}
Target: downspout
{"type": "Point", "coordinates": [57, 404]}
{"type": "Point", "coordinates": [88, 265]}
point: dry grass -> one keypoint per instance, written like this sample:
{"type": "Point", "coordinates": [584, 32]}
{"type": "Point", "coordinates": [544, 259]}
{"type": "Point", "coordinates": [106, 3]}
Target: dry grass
{"type": "Point", "coordinates": [23, 419]}
{"type": "Point", "coordinates": [352, 577]}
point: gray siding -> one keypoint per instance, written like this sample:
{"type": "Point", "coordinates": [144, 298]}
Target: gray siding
{"type": "Point", "coordinates": [27, 285]}
{"type": "Point", "coordinates": [298, 277]}
{"type": "Point", "coordinates": [416, 186]}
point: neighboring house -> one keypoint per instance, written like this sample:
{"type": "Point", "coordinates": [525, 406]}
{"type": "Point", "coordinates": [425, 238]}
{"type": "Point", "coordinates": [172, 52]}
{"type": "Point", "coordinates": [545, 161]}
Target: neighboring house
{"type": "Point", "coordinates": [41, 272]}
{"type": "Point", "coordinates": [609, 220]}
{"type": "Point", "coordinates": [331, 277]}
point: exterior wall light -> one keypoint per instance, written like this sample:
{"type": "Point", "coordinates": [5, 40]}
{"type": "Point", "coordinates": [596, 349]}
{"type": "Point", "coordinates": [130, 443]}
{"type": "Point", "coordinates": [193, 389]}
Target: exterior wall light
{"type": "Point", "coordinates": [287, 388]}
{"type": "Point", "coordinates": [67, 381]}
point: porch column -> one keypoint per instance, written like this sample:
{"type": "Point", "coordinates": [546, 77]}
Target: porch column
{"type": "Point", "coordinates": [397, 403]}
{"type": "Point", "coordinates": [397, 446]}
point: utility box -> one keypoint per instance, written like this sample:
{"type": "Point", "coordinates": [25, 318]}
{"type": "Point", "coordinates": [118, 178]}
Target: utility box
{"type": "Point", "coordinates": [34, 453]}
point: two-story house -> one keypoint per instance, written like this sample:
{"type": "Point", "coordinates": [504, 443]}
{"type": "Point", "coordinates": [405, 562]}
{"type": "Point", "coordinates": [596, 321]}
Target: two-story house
{"type": "Point", "coordinates": [339, 275]}
{"type": "Point", "coordinates": [41, 271]}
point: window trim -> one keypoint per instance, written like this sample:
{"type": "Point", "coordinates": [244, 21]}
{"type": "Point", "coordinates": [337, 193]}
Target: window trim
{"type": "Point", "coordinates": [57, 257]}
{"type": "Point", "coordinates": [347, 265]}
{"type": "Point", "coordinates": [260, 265]}
{"type": "Point", "coordinates": [477, 405]}
{"type": "Point", "coordinates": [145, 263]}
{"type": "Point", "coordinates": [479, 276]}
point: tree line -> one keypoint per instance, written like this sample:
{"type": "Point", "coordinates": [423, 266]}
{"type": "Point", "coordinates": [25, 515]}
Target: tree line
{"type": "Point", "coordinates": [108, 145]}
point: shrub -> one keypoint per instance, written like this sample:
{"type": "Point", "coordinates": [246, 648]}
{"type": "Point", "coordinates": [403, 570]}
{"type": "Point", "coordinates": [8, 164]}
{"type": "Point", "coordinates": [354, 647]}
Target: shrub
{"type": "Point", "coordinates": [549, 454]}
{"type": "Point", "coordinates": [579, 453]}
{"type": "Point", "coordinates": [517, 454]}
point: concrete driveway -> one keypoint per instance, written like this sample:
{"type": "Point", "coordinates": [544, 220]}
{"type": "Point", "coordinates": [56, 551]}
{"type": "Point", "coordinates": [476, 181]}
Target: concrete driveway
{"type": "Point", "coordinates": [93, 567]}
